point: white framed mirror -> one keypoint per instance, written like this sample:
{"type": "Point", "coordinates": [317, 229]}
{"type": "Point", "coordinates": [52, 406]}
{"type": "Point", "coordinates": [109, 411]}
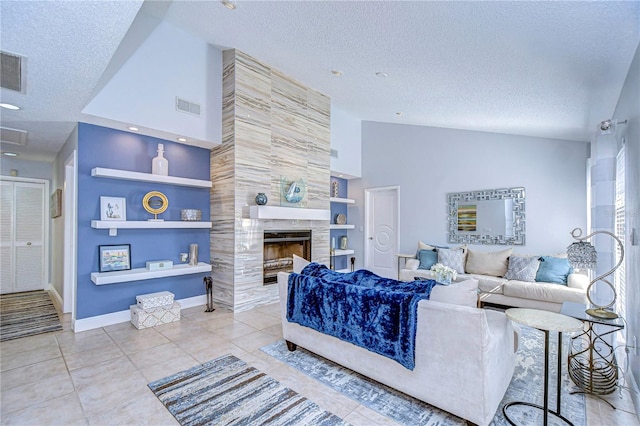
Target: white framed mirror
{"type": "Point", "coordinates": [491, 216]}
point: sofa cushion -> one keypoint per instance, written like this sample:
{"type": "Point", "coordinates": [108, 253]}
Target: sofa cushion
{"type": "Point", "coordinates": [488, 263]}
{"type": "Point", "coordinates": [299, 263]}
{"type": "Point", "coordinates": [463, 293]}
{"type": "Point", "coordinates": [427, 258]}
{"type": "Point", "coordinates": [547, 292]}
{"type": "Point", "coordinates": [553, 270]}
{"type": "Point", "coordinates": [453, 258]}
{"type": "Point", "coordinates": [522, 268]}
{"type": "Point", "coordinates": [425, 246]}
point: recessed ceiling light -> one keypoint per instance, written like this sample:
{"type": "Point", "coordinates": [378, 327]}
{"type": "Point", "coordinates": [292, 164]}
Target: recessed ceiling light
{"type": "Point", "coordinates": [9, 106]}
{"type": "Point", "coordinates": [133, 128]}
{"type": "Point", "coordinates": [336, 72]}
{"type": "Point", "coordinates": [228, 4]}
{"type": "Point", "coordinates": [382, 74]}
{"type": "Point", "coordinates": [340, 175]}
{"type": "Point", "coordinates": [399, 114]}
{"type": "Point", "coordinates": [10, 154]}
{"type": "Point", "coordinates": [182, 139]}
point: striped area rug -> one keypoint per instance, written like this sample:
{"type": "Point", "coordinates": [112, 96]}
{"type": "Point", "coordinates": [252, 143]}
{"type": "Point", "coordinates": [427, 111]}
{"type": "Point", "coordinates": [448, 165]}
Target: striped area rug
{"type": "Point", "coordinates": [226, 391]}
{"type": "Point", "coordinates": [27, 314]}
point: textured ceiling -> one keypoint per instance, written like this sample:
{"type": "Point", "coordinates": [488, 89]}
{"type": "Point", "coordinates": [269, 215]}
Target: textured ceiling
{"type": "Point", "coordinates": [550, 69]}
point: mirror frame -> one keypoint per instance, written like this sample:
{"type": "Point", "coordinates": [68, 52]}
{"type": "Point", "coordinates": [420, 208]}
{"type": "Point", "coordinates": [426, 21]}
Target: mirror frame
{"type": "Point", "coordinates": [519, 220]}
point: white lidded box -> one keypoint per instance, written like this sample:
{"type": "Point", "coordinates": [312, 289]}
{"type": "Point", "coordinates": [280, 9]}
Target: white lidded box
{"type": "Point", "coordinates": [145, 318]}
{"type": "Point", "coordinates": [153, 300]}
{"type": "Point", "coordinates": [155, 265]}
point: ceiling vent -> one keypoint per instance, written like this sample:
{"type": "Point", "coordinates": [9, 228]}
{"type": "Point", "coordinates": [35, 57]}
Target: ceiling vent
{"type": "Point", "coordinates": [188, 107]}
{"type": "Point", "coordinates": [13, 136]}
{"type": "Point", "coordinates": [334, 153]}
{"type": "Point", "coordinates": [12, 73]}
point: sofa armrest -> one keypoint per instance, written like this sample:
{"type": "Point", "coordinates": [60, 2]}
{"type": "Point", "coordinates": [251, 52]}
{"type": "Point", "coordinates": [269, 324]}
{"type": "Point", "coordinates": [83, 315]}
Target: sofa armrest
{"type": "Point", "coordinates": [579, 281]}
{"type": "Point", "coordinates": [412, 264]}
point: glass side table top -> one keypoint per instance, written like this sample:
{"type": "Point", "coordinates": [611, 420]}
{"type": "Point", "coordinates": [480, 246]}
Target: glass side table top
{"type": "Point", "coordinates": [577, 310]}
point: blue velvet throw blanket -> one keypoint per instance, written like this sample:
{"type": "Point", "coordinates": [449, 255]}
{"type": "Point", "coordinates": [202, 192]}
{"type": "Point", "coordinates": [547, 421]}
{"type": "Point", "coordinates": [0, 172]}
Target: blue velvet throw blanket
{"type": "Point", "coordinates": [376, 313]}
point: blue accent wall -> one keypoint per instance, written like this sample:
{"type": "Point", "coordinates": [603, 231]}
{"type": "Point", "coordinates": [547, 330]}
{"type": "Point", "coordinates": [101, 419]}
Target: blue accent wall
{"type": "Point", "coordinates": [115, 149]}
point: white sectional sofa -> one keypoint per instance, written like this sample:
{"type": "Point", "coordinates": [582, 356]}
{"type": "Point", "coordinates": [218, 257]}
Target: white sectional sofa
{"type": "Point", "coordinates": [457, 347]}
{"type": "Point", "coordinates": [508, 292]}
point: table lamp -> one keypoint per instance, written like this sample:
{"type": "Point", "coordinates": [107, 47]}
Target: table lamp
{"type": "Point", "coordinates": [582, 254]}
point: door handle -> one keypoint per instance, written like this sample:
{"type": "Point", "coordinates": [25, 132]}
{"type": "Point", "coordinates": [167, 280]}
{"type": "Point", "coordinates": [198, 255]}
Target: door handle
{"type": "Point", "coordinates": [371, 238]}
{"type": "Point", "coordinates": [28, 243]}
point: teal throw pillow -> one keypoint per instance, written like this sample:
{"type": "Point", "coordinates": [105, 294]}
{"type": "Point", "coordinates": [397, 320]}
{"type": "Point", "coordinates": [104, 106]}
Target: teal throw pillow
{"type": "Point", "coordinates": [427, 258]}
{"type": "Point", "coordinates": [553, 270]}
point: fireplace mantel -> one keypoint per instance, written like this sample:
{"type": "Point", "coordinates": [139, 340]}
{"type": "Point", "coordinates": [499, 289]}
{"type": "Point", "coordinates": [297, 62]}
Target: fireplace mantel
{"type": "Point", "coordinates": [275, 212]}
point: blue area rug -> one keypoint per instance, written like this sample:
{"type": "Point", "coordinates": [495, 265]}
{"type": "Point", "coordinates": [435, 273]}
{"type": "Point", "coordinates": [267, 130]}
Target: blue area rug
{"type": "Point", "coordinates": [226, 391]}
{"type": "Point", "coordinates": [526, 385]}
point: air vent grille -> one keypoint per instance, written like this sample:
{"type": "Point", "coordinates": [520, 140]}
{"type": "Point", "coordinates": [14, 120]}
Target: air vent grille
{"type": "Point", "coordinates": [187, 106]}
{"type": "Point", "coordinates": [11, 71]}
{"type": "Point", "coordinates": [334, 153]}
{"type": "Point", "coordinates": [13, 136]}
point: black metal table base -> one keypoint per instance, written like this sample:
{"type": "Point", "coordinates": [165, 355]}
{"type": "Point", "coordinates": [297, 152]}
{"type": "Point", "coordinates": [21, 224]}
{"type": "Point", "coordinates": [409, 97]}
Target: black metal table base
{"type": "Point", "coordinates": [545, 408]}
{"type": "Point", "coordinates": [540, 407]}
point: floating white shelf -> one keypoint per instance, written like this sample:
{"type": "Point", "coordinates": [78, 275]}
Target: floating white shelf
{"type": "Point", "coordinates": [148, 177]}
{"type": "Point", "coordinates": [276, 212]}
{"type": "Point", "coordinates": [342, 200]}
{"type": "Point", "coordinates": [139, 274]}
{"type": "Point", "coordinates": [338, 252]}
{"type": "Point", "coordinates": [114, 225]}
{"type": "Point", "coordinates": [334, 226]}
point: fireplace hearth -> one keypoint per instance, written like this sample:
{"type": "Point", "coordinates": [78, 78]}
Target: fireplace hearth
{"type": "Point", "coordinates": [279, 248]}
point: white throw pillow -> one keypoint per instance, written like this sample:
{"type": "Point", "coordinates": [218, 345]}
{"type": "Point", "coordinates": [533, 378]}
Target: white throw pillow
{"type": "Point", "coordinates": [522, 268]}
{"type": "Point", "coordinates": [463, 293]}
{"type": "Point", "coordinates": [488, 263]}
{"type": "Point", "coordinates": [299, 263]}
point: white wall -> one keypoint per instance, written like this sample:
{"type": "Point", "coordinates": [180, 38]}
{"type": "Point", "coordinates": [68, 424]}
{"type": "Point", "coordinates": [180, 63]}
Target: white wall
{"type": "Point", "coordinates": [169, 63]}
{"type": "Point", "coordinates": [57, 224]}
{"type": "Point", "coordinates": [429, 162]}
{"type": "Point", "coordinates": [26, 168]}
{"type": "Point", "coordinates": [628, 108]}
{"type": "Point", "coordinates": [346, 139]}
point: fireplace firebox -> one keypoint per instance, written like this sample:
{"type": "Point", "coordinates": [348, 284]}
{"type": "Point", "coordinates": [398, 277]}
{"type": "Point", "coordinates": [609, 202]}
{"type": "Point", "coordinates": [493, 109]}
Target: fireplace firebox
{"type": "Point", "coordinates": [279, 248]}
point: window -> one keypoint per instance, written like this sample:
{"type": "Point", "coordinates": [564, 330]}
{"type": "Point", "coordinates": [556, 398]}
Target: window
{"type": "Point", "coordinates": [620, 274]}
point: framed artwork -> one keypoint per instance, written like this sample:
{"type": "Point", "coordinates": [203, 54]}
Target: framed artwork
{"type": "Point", "coordinates": [114, 257]}
{"type": "Point", "coordinates": [55, 206]}
{"type": "Point", "coordinates": [113, 208]}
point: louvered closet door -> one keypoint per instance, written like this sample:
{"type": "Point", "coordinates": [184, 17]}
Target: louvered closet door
{"type": "Point", "coordinates": [29, 237]}
{"type": "Point", "coordinates": [22, 235]}
{"type": "Point", "coordinates": [6, 237]}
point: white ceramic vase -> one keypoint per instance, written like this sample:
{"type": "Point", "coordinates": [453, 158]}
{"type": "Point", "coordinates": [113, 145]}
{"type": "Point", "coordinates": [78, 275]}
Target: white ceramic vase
{"type": "Point", "coordinates": [160, 165]}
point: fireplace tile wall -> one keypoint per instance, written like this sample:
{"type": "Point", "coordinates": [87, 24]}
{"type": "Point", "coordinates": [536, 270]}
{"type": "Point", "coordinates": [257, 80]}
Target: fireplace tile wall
{"type": "Point", "coordinates": [273, 126]}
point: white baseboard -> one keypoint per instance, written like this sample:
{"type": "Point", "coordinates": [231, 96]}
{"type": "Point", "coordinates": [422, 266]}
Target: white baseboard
{"type": "Point", "coordinates": [57, 300]}
{"type": "Point", "coordinates": [634, 390]}
{"type": "Point", "coordinates": [112, 318]}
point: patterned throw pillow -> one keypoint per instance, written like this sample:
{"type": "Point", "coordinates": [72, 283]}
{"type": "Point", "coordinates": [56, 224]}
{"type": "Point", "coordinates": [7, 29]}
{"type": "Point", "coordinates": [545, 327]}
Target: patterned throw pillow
{"type": "Point", "coordinates": [522, 268]}
{"type": "Point", "coordinates": [453, 258]}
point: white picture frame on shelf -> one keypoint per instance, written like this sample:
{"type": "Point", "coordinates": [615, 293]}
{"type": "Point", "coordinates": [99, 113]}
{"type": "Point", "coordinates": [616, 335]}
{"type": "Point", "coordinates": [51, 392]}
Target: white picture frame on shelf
{"type": "Point", "coordinates": [113, 208]}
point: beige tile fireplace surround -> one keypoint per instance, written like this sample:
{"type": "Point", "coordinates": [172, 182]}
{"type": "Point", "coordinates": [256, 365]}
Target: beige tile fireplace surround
{"type": "Point", "coordinates": [273, 126]}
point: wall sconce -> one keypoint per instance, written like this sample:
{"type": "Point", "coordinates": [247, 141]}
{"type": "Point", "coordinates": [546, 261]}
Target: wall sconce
{"type": "Point", "coordinates": [608, 126]}
{"type": "Point", "coordinates": [582, 254]}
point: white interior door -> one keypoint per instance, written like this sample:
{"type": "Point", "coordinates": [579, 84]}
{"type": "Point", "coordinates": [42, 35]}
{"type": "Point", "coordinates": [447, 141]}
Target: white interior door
{"type": "Point", "coordinates": [24, 240]}
{"type": "Point", "coordinates": [382, 230]}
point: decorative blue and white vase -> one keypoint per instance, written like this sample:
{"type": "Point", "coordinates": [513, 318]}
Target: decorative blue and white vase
{"type": "Point", "coordinates": [444, 279]}
{"type": "Point", "coordinates": [261, 199]}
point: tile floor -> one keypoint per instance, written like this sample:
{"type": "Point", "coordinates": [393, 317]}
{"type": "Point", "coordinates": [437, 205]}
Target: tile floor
{"type": "Point", "coordinates": [100, 377]}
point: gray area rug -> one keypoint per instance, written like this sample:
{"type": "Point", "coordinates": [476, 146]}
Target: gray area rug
{"type": "Point", "coordinates": [27, 314]}
{"type": "Point", "coordinates": [226, 391]}
{"type": "Point", "coordinates": [526, 385]}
